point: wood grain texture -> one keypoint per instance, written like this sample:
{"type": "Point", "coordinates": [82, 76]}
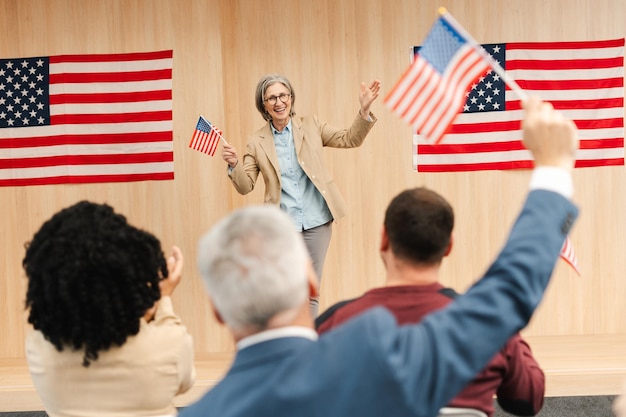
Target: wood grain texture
{"type": "Point", "coordinates": [326, 48]}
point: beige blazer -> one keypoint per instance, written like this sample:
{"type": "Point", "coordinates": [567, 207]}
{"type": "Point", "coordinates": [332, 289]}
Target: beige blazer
{"type": "Point", "coordinates": [310, 136]}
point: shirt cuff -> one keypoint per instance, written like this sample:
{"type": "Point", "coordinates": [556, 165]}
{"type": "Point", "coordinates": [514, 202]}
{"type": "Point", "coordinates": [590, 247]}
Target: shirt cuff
{"type": "Point", "coordinates": [554, 179]}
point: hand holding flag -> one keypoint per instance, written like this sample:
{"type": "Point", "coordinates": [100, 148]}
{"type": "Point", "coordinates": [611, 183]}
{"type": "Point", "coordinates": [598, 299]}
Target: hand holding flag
{"type": "Point", "coordinates": [206, 137]}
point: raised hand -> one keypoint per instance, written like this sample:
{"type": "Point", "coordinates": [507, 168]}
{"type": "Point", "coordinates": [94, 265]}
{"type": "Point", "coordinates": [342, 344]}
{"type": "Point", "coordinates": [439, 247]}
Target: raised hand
{"type": "Point", "coordinates": [229, 154]}
{"type": "Point", "coordinates": [548, 135]}
{"type": "Point", "coordinates": [175, 272]}
{"type": "Point", "coordinates": [367, 96]}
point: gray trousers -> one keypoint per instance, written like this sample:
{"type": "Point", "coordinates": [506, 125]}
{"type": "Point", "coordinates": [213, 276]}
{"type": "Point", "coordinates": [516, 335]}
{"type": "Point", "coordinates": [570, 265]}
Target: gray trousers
{"type": "Point", "coordinates": [317, 240]}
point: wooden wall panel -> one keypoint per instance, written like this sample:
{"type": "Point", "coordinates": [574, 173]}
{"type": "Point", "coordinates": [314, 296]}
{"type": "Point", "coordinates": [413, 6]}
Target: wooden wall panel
{"type": "Point", "coordinates": [326, 48]}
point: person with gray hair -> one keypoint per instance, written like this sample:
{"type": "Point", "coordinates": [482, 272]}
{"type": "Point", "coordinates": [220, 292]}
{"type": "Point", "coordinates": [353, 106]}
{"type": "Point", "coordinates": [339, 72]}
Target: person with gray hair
{"type": "Point", "coordinates": [257, 265]}
{"type": "Point", "coordinates": [287, 152]}
{"type": "Point", "coordinates": [258, 278]}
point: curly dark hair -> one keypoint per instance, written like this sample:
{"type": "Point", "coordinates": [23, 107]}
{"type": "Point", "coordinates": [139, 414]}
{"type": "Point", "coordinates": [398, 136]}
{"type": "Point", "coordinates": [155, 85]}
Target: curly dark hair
{"type": "Point", "coordinates": [91, 277]}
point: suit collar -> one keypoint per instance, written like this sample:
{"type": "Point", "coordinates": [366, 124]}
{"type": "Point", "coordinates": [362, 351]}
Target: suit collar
{"type": "Point", "coordinates": [281, 332]}
{"type": "Point", "coordinates": [270, 351]}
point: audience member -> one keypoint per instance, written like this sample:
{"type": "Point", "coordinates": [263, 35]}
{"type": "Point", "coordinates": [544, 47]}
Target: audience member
{"type": "Point", "coordinates": [259, 277]}
{"type": "Point", "coordinates": [287, 150]}
{"type": "Point", "coordinates": [106, 340]}
{"type": "Point", "coordinates": [416, 235]}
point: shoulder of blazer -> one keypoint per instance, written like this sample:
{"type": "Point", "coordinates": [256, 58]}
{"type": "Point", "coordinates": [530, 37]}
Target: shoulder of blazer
{"type": "Point", "coordinates": [299, 122]}
{"type": "Point", "coordinates": [261, 136]}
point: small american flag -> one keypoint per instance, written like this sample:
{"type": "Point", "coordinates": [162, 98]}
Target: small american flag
{"type": "Point", "coordinates": [568, 255]}
{"type": "Point", "coordinates": [431, 92]}
{"type": "Point", "coordinates": [206, 137]}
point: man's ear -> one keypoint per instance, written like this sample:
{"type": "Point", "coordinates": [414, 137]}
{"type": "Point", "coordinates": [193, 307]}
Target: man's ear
{"type": "Point", "coordinates": [384, 240]}
{"type": "Point", "coordinates": [216, 313]}
{"type": "Point", "coordinates": [449, 249]}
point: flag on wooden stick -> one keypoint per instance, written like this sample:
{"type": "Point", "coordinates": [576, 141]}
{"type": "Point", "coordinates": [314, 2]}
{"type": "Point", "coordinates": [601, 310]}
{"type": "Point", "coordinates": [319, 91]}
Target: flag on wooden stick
{"type": "Point", "coordinates": [205, 137]}
{"type": "Point", "coordinates": [431, 92]}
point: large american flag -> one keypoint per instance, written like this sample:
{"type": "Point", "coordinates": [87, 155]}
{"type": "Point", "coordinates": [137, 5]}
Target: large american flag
{"type": "Point", "coordinates": [86, 118]}
{"type": "Point", "coordinates": [584, 80]}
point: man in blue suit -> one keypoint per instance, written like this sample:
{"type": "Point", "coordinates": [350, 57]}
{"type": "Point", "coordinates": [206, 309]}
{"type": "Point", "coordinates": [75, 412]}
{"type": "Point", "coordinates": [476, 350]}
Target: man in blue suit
{"type": "Point", "coordinates": [258, 276]}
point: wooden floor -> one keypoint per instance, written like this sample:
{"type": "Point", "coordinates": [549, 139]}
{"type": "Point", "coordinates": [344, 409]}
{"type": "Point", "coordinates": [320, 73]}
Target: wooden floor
{"type": "Point", "coordinates": [574, 366]}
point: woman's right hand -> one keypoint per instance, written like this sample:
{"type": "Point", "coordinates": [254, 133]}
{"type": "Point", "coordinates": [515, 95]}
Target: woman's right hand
{"type": "Point", "coordinates": [229, 154]}
{"type": "Point", "coordinates": [175, 272]}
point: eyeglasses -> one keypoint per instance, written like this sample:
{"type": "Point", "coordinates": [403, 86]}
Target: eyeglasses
{"type": "Point", "coordinates": [284, 97]}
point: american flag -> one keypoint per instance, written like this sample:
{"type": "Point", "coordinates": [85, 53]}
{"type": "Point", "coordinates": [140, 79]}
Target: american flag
{"type": "Point", "coordinates": [205, 137]}
{"type": "Point", "coordinates": [584, 80]}
{"type": "Point", "coordinates": [568, 255]}
{"type": "Point", "coordinates": [86, 118]}
{"type": "Point", "coordinates": [430, 93]}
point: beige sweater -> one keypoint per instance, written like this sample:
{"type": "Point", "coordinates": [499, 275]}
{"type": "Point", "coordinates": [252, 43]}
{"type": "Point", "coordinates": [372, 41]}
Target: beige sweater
{"type": "Point", "coordinates": [140, 378]}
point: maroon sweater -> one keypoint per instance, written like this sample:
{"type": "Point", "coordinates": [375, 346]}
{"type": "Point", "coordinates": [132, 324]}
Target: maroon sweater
{"type": "Point", "coordinates": [513, 375]}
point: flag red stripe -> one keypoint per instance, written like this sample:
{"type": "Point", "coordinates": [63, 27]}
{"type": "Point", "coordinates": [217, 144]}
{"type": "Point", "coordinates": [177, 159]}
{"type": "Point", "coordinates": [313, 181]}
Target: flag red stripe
{"type": "Point", "coordinates": [135, 56]}
{"type": "Point", "coordinates": [610, 43]}
{"type": "Point", "coordinates": [570, 84]}
{"type": "Point", "coordinates": [86, 179]}
{"type": "Point", "coordinates": [600, 103]}
{"type": "Point", "coordinates": [110, 77]}
{"type": "Point", "coordinates": [588, 163]}
{"type": "Point", "coordinates": [563, 64]}
{"type": "Point", "coordinates": [445, 149]}
{"type": "Point", "coordinates": [72, 119]}
{"type": "Point", "coordinates": [486, 127]}
{"type": "Point", "coordinates": [606, 103]}
{"type": "Point", "coordinates": [599, 124]}
{"type": "Point", "coordinates": [111, 97]}
{"type": "Point", "coordinates": [112, 138]}
{"type": "Point", "coordinates": [475, 167]}
{"type": "Point", "coordinates": [49, 161]}
{"type": "Point", "coordinates": [607, 143]}
{"type": "Point", "coordinates": [516, 145]}
{"type": "Point", "coordinates": [507, 165]}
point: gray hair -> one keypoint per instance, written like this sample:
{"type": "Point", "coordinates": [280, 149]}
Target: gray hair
{"type": "Point", "coordinates": [265, 83]}
{"type": "Point", "coordinates": [254, 266]}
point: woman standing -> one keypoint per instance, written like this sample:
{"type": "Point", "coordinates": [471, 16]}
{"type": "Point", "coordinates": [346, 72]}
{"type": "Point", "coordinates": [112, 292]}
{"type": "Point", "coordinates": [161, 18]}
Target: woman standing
{"type": "Point", "coordinates": [287, 150]}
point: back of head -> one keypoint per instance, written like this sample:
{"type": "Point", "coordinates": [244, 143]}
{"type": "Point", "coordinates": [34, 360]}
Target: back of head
{"type": "Point", "coordinates": [254, 266]}
{"type": "Point", "coordinates": [91, 277]}
{"type": "Point", "coordinates": [419, 225]}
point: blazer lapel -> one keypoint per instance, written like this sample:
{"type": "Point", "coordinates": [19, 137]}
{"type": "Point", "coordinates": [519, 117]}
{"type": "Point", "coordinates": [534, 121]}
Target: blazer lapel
{"type": "Point", "coordinates": [298, 136]}
{"type": "Point", "coordinates": [267, 143]}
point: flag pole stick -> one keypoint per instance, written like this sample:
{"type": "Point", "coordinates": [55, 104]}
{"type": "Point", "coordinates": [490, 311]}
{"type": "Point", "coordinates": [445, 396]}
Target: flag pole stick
{"type": "Point", "coordinates": [484, 55]}
{"type": "Point", "coordinates": [213, 127]}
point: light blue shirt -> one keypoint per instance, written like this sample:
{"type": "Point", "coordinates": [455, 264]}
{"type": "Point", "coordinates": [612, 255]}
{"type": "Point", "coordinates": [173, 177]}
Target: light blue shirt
{"type": "Point", "coordinates": [298, 195]}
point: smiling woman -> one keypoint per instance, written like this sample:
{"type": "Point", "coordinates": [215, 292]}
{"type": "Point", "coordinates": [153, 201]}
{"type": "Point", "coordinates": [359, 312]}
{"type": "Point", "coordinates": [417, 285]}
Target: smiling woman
{"type": "Point", "coordinates": [287, 151]}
